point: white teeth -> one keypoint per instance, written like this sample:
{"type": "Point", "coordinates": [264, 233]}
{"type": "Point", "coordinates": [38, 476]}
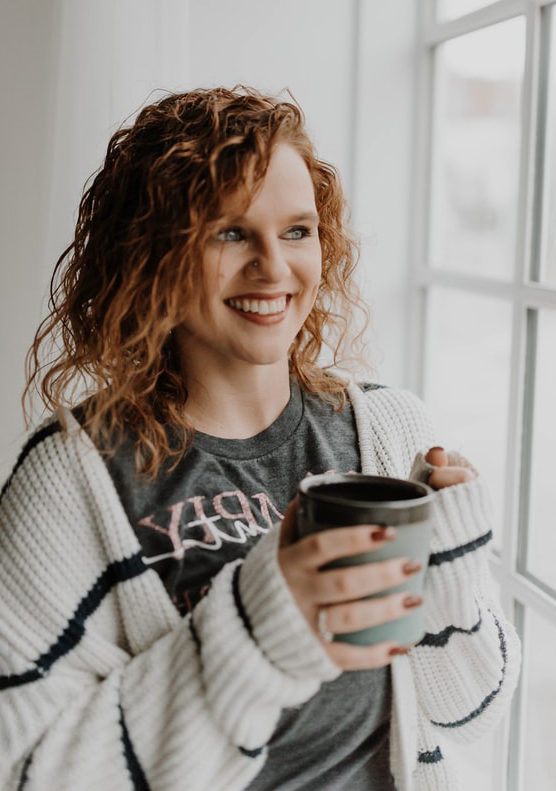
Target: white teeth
{"type": "Point", "coordinates": [264, 307]}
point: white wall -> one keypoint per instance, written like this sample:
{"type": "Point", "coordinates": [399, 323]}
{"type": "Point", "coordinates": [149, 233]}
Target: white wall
{"type": "Point", "coordinates": [27, 32]}
{"type": "Point", "coordinates": [383, 176]}
{"type": "Point", "coordinates": [112, 54]}
{"type": "Point", "coordinates": [72, 70]}
{"type": "Point", "coordinates": [303, 45]}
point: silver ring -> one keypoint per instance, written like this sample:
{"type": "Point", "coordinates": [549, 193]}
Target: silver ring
{"type": "Point", "coordinates": [326, 636]}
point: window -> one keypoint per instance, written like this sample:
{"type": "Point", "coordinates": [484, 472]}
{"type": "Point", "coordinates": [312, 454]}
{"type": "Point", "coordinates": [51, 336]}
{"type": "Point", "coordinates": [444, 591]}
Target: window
{"type": "Point", "coordinates": [484, 324]}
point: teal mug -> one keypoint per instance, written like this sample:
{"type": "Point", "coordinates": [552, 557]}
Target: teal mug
{"type": "Point", "coordinates": [327, 501]}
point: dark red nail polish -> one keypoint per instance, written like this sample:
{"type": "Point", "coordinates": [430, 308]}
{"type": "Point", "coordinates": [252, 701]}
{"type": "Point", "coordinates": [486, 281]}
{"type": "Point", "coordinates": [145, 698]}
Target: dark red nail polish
{"type": "Point", "coordinates": [411, 567]}
{"type": "Point", "coordinates": [383, 534]}
{"type": "Point", "coordinates": [398, 651]}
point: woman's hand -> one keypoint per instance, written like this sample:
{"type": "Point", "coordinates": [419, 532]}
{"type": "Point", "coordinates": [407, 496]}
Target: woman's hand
{"type": "Point", "coordinates": [341, 591]}
{"type": "Point", "coordinates": [445, 474]}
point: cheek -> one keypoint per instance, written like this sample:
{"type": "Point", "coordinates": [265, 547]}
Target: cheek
{"type": "Point", "coordinates": [312, 289]}
{"type": "Point", "coordinates": [214, 267]}
{"type": "Point", "coordinates": [312, 267]}
{"type": "Point", "coordinates": [313, 280]}
{"type": "Point", "coordinates": [317, 276]}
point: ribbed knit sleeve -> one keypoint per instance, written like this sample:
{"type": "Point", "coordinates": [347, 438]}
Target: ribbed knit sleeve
{"type": "Point", "coordinates": [467, 665]}
{"type": "Point", "coordinates": [103, 685]}
{"type": "Point", "coordinates": [392, 426]}
{"type": "Point", "coordinates": [280, 665]}
{"type": "Point", "coordinates": [461, 677]}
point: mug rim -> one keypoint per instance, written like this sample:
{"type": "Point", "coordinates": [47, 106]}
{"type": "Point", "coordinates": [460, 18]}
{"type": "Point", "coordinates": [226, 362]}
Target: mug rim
{"type": "Point", "coordinates": [325, 479]}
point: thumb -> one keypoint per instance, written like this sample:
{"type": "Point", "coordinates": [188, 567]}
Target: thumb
{"type": "Point", "coordinates": [437, 456]}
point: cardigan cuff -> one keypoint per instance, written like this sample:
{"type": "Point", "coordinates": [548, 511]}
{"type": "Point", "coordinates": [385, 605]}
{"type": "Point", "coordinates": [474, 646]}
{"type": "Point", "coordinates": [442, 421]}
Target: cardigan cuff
{"type": "Point", "coordinates": [458, 563]}
{"type": "Point", "coordinates": [278, 626]}
{"type": "Point", "coordinates": [461, 513]}
{"type": "Point", "coordinates": [273, 660]}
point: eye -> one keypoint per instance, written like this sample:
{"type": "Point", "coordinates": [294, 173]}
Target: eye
{"type": "Point", "coordinates": [230, 235]}
{"type": "Point", "coordinates": [298, 232]}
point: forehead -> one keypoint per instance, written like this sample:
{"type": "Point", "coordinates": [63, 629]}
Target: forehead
{"type": "Point", "coordinates": [286, 185]}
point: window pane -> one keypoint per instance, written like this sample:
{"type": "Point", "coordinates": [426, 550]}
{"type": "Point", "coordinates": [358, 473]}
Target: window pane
{"type": "Point", "coordinates": [548, 264]}
{"type": "Point", "coordinates": [540, 705]}
{"type": "Point", "coordinates": [467, 381]}
{"type": "Point", "coordinates": [542, 533]}
{"type": "Point", "coordinates": [448, 9]}
{"type": "Point", "coordinates": [476, 150]}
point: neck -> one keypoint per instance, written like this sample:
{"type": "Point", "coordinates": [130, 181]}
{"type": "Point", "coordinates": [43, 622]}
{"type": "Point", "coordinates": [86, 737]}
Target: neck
{"type": "Point", "coordinates": [238, 405]}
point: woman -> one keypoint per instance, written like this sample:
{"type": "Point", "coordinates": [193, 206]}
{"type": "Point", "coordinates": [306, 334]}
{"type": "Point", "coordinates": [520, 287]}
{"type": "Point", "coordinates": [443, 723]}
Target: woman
{"type": "Point", "coordinates": [162, 627]}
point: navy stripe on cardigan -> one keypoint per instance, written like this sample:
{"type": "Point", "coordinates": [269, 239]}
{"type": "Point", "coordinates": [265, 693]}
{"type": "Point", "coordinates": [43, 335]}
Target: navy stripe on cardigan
{"type": "Point", "coordinates": [135, 769]}
{"type": "Point", "coordinates": [440, 639]}
{"type": "Point", "coordinates": [430, 756]}
{"type": "Point", "coordinates": [252, 753]}
{"type": "Point", "coordinates": [239, 603]}
{"type": "Point", "coordinates": [247, 623]}
{"type": "Point", "coordinates": [116, 572]}
{"type": "Point", "coordinates": [437, 558]}
{"type": "Point", "coordinates": [33, 441]}
{"type": "Point", "coordinates": [25, 773]}
{"type": "Point", "coordinates": [490, 697]}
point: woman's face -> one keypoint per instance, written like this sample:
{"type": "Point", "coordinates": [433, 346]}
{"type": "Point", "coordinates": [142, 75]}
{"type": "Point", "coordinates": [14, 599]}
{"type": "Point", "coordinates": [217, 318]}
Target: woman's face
{"type": "Point", "coordinates": [261, 270]}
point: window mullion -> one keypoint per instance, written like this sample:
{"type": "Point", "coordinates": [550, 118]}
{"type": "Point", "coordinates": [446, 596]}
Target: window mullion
{"type": "Point", "coordinates": [438, 32]}
{"type": "Point", "coordinates": [418, 237]}
{"type": "Point", "coordinates": [522, 381]}
{"type": "Point", "coordinates": [516, 427]}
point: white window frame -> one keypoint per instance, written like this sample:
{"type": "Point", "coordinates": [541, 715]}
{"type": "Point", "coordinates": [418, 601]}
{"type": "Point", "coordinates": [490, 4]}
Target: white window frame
{"type": "Point", "coordinates": [519, 589]}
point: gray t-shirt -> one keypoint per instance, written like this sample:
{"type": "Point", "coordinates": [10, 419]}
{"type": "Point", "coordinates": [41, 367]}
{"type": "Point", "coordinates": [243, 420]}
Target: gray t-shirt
{"type": "Point", "coordinates": [211, 509]}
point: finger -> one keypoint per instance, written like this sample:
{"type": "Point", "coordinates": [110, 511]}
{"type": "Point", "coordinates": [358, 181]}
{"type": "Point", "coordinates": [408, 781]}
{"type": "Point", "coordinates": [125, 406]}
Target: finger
{"type": "Point", "coordinates": [362, 657]}
{"type": "Point", "coordinates": [320, 548]}
{"type": "Point", "coordinates": [365, 613]}
{"type": "Point", "coordinates": [288, 528]}
{"type": "Point", "coordinates": [449, 476]}
{"type": "Point", "coordinates": [437, 456]}
{"type": "Point", "coordinates": [350, 583]}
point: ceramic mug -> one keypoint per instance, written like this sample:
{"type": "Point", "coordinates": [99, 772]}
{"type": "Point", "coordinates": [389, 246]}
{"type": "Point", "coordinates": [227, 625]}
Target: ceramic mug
{"type": "Point", "coordinates": [327, 501]}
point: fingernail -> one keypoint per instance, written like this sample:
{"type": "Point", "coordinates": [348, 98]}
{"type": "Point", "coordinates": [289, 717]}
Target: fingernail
{"type": "Point", "coordinates": [398, 651]}
{"type": "Point", "coordinates": [437, 447]}
{"type": "Point", "coordinates": [383, 534]}
{"type": "Point", "coordinates": [412, 601]}
{"type": "Point", "coordinates": [411, 566]}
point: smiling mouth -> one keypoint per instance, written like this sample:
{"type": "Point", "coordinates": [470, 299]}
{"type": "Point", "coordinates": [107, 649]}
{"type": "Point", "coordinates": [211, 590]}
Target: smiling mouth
{"type": "Point", "coordinates": [261, 307]}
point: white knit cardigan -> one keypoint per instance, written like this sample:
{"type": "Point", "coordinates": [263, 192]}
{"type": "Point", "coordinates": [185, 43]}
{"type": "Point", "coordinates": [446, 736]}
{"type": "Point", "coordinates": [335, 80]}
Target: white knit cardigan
{"type": "Point", "coordinates": [104, 686]}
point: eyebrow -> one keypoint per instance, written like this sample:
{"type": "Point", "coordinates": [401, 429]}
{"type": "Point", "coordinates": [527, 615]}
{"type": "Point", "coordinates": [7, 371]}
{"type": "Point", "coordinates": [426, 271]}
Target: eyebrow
{"type": "Point", "coordinates": [306, 216]}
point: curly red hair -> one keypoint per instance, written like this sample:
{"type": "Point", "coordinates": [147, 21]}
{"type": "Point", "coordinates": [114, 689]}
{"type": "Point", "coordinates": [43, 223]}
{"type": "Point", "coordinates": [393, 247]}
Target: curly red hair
{"type": "Point", "coordinates": [142, 226]}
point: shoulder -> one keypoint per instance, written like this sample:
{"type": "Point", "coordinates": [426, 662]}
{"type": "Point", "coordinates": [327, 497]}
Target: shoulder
{"type": "Point", "coordinates": [390, 403]}
{"type": "Point", "coordinates": [49, 451]}
{"type": "Point", "coordinates": [393, 423]}
{"type": "Point", "coordinates": [41, 434]}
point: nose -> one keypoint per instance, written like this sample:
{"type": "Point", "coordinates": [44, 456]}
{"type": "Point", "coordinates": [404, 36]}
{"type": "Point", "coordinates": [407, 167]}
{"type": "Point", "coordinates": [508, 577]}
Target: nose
{"type": "Point", "coordinates": [268, 262]}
